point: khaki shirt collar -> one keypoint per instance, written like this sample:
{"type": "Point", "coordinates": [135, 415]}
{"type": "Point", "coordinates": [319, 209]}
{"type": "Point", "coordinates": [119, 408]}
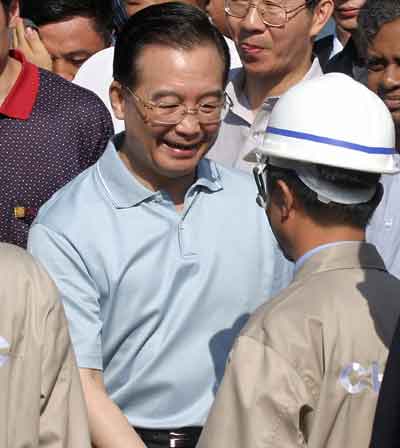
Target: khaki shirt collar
{"type": "Point", "coordinates": [354, 255]}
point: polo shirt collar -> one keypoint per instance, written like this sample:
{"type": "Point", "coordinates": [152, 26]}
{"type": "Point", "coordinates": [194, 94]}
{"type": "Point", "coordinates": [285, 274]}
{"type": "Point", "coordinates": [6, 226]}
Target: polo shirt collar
{"type": "Point", "coordinates": [21, 99]}
{"type": "Point", "coordinates": [241, 106]}
{"type": "Point", "coordinates": [208, 176]}
{"type": "Point", "coordinates": [235, 90]}
{"type": "Point", "coordinates": [126, 191]}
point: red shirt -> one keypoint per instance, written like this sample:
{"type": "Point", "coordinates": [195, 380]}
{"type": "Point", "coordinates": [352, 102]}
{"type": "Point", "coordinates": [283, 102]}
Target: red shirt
{"type": "Point", "coordinates": [51, 130]}
{"type": "Point", "coordinates": [21, 98]}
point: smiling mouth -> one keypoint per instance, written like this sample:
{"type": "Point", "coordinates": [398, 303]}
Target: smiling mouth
{"type": "Point", "coordinates": [181, 149]}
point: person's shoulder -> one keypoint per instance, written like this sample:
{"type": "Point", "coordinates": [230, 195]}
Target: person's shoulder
{"type": "Point", "coordinates": [99, 64]}
{"type": "Point", "coordinates": [235, 73]}
{"type": "Point", "coordinates": [107, 54]}
{"type": "Point", "coordinates": [21, 275]}
{"type": "Point", "coordinates": [13, 258]}
{"type": "Point", "coordinates": [277, 318]}
{"type": "Point", "coordinates": [391, 183]}
{"type": "Point", "coordinates": [237, 184]}
{"type": "Point", "coordinates": [234, 88]}
{"type": "Point", "coordinates": [71, 96]}
{"type": "Point", "coordinates": [324, 44]}
{"type": "Point", "coordinates": [318, 294]}
{"type": "Point", "coordinates": [70, 200]}
{"type": "Point", "coordinates": [323, 48]}
{"type": "Point", "coordinates": [233, 177]}
{"type": "Point", "coordinates": [96, 74]}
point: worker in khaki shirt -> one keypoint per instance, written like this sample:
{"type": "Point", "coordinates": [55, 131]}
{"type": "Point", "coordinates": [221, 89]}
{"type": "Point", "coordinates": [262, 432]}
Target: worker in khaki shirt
{"type": "Point", "coordinates": [306, 370]}
{"type": "Point", "coordinates": [41, 401]}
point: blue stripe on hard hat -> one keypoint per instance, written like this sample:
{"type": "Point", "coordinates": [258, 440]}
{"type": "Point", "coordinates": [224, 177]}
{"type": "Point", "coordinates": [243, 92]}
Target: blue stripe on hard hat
{"type": "Point", "coordinates": [330, 141]}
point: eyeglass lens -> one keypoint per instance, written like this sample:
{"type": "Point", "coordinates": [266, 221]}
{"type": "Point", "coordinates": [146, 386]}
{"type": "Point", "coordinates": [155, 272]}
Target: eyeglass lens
{"type": "Point", "coordinates": [270, 13]}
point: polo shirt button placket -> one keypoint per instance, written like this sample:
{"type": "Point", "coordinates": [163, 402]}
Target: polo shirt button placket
{"type": "Point", "coordinates": [158, 198]}
{"type": "Point", "coordinates": [185, 240]}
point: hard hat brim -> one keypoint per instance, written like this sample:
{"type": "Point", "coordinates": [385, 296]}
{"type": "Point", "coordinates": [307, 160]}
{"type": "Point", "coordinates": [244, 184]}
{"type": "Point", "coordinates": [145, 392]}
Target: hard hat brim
{"type": "Point", "coordinates": [318, 151]}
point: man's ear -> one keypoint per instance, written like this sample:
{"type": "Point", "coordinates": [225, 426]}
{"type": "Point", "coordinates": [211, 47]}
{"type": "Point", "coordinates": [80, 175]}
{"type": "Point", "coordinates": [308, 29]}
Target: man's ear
{"type": "Point", "coordinates": [117, 99]}
{"type": "Point", "coordinates": [323, 11]}
{"type": "Point", "coordinates": [284, 199]}
{"type": "Point", "coordinates": [13, 13]}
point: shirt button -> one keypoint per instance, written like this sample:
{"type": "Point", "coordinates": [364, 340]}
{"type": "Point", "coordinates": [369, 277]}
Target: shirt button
{"type": "Point", "coordinates": [388, 224]}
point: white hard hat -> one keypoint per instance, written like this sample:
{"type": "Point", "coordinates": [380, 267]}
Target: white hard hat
{"type": "Point", "coordinates": [331, 120]}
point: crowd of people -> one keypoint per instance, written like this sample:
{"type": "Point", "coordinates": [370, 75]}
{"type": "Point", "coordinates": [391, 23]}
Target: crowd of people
{"type": "Point", "coordinates": [204, 198]}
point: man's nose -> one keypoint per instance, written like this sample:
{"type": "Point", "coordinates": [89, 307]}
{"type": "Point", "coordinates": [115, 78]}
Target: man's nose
{"type": "Point", "coordinates": [252, 21]}
{"type": "Point", "coordinates": [189, 125]}
{"type": "Point", "coordinates": [391, 77]}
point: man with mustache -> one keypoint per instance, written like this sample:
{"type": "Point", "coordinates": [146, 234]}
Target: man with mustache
{"type": "Point", "coordinates": [167, 253]}
{"type": "Point", "coordinates": [275, 43]}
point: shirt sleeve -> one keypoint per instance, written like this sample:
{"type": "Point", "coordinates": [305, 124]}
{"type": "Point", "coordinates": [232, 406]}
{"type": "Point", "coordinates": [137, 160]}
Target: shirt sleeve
{"type": "Point", "coordinates": [386, 428]}
{"type": "Point", "coordinates": [96, 130]}
{"type": "Point", "coordinates": [260, 402]}
{"type": "Point", "coordinates": [63, 415]}
{"type": "Point", "coordinates": [78, 291]}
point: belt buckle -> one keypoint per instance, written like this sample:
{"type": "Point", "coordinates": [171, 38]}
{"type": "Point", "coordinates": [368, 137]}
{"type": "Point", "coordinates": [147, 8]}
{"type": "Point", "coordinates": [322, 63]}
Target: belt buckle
{"type": "Point", "coordinates": [174, 441]}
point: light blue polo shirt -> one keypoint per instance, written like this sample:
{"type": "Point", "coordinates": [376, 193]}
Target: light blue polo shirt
{"type": "Point", "coordinates": [384, 229]}
{"type": "Point", "coordinates": [154, 297]}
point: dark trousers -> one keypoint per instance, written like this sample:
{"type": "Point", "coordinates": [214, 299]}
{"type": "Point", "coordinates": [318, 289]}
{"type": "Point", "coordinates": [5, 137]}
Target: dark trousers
{"type": "Point", "coordinates": [170, 438]}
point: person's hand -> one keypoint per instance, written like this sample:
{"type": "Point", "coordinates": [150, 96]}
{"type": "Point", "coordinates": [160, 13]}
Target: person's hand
{"type": "Point", "coordinates": [27, 40]}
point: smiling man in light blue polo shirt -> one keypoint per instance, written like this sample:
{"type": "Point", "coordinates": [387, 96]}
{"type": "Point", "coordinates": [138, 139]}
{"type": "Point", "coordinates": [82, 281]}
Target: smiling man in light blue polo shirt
{"type": "Point", "coordinates": [159, 253]}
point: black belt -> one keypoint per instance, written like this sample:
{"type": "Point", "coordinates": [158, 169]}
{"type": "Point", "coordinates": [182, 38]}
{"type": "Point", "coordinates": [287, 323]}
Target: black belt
{"type": "Point", "coordinates": [179, 437]}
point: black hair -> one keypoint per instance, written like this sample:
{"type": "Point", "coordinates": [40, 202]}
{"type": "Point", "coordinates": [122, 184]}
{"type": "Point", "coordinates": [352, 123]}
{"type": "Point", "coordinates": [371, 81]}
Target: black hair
{"type": "Point", "coordinates": [176, 25]}
{"type": "Point", "coordinates": [120, 15]}
{"type": "Point", "coordinates": [43, 12]}
{"type": "Point", "coordinates": [373, 16]}
{"type": "Point", "coordinates": [355, 215]}
{"type": "Point", "coordinates": [311, 4]}
{"type": "Point", "coordinates": [6, 5]}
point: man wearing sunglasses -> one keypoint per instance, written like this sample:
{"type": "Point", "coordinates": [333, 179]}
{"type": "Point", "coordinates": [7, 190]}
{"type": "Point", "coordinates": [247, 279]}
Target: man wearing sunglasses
{"type": "Point", "coordinates": [307, 368]}
{"type": "Point", "coordinates": [275, 43]}
{"type": "Point", "coordinates": [159, 253]}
